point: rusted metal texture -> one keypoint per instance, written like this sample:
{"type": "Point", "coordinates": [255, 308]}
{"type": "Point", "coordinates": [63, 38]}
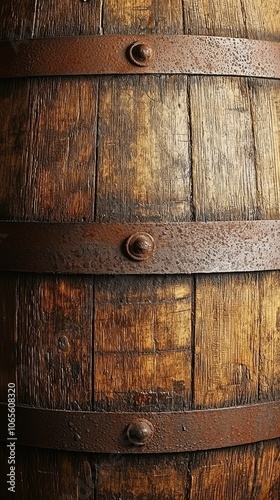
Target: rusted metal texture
{"type": "Point", "coordinates": [104, 432]}
{"type": "Point", "coordinates": [174, 248]}
{"type": "Point", "coordinates": [132, 54]}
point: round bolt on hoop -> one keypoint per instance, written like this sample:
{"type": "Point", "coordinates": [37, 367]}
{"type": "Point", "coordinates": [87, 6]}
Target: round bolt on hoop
{"type": "Point", "coordinates": [140, 432]}
{"type": "Point", "coordinates": [140, 246]}
{"type": "Point", "coordinates": [141, 54]}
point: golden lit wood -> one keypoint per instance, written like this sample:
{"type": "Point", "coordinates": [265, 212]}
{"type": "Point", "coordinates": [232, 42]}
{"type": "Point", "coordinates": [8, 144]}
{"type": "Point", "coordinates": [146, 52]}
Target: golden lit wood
{"type": "Point", "coordinates": [143, 170]}
{"type": "Point", "coordinates": [142, 343]}
{"type": "Point", "coordinates": [142, 16]}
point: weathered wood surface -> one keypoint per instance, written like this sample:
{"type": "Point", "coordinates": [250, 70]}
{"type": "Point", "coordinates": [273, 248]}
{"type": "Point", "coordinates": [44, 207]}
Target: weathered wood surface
{"type": "Point", "coordinates": [151, 148]}
{"type": "Point", "coordinates": [48, 148]}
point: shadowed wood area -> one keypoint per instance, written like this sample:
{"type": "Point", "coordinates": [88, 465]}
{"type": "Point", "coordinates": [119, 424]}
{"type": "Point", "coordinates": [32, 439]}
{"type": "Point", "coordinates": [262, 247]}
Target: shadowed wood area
{"type": "Point", "coordinates": [142, 148]}
{"type": "Point", "coordinates": [47, 146]}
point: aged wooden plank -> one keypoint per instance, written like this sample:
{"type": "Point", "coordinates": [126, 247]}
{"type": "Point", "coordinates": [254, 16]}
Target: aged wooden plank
{"type": "Point", "coordinates": [142, 344]}
{"type": "Point", "coordinates": [227, 318]}
{"type": "Point", "coordinates": [143, 168]}
{"type": "Point", "coordinates": [142, 324]}
{"type": "Point", "coordinates": [235, 317]}
{"type": "Point", "coordinates": [266, 125]}
{"type": "Point", "coordinates": [135, 167]}
{"type": "Point", "coordinates": [163, 477]}
{"type": "Point", "coordinates": [265, 109]}
{"type": "Point", "coordinates": [239, 18]}
{"type": "Point", "coordinates": [67, 17]}
{"type": "Point", "coordinates": [63, 476]}
{"type": "Point", "coordinates": [251, 472]}
{"type": "Point", "coordinates": [224, 188]}
{"type": "Point", "coordinates": [60, 164]}
{"type": "Point", "coordinates": [17, 19]}
{"type": "Point", "coordinates": [267, 476]}
{"type": "Point", "coordinates": [142, 16]}
{"type": "Point", "coordinates": [14, 112]}
{"type": "Point", "coordinates": [262, 19]}
{"type": "Point", "coordinates": [214, 18]}
{"type": "Point", "coordinates": [224, 475]}
{"type": "Point", "coordinates": [224, 178]}
{"type": "Point", "coordinates": [54, 348]}
{"type": "Point", "coordinates": [49, 125]}
{"type": "Point", "coordinates": [269, 377]}
{"type": "Point", "coordinates": [48, 143]}
{"type": "Point", "coordinates": [8, 331]}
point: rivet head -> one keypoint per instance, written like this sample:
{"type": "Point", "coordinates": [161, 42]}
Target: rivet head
{"type": "Point", "coordinates": [140, 246]}
{"type": "Point", "coordinates": [141, 54]}
{"type": "Point", "coordinates": [140, 432]}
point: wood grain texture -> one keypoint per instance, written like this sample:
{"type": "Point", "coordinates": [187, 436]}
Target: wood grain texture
{"type": "Point", "coordinates": [60, 168]}
{"type": "Point", "coordinates": [263, 22]}
{"type": "Point", "coordinates": [227, 318]}
{"type": "Point", "coordinates": [224, 474]}
{"type": "Point", "coordinates": [142, 16]}
{"type": "Point", "coordinates": [235, 159]}
{"type": "Point", "coordinates": [8, 331]}
{"type": "Point", "coordinates": [14, 116]}
{"type": "Point", "coordinates": [67, 17]}
{"type": "Point", "coordinates": [262, 19]}
{"type": "Point", "coordinates": [213, 17]}
{"type": "Point", "coordinates": [17, 19]}
{"type": "Point", "coordinates": [239, 18]}
{"type": "Point", "coordinates": [223, 156]}
{"type": "Point", "coordinates": [48, 144]}
{"type": "Point", "coordinates": [267, 471]}
{"type": "Point", "coordinates": [47, 473]}
{"type": "Point", "coordinates": [162, 477]}
{"type": "Point", "coordinates": [249, 472]}
{"type": "Point", "coordinates": [54, 352]}
{"type": "Point", "coordinates": [48, 137]}
{"type": "Point", "coordinates": [269, 376]}
{"type": "Point", "coordinates": [143, 169]}
{"type": "Point", "coordinates": [265, 111]}
{"type": "Point", "coordinates": [142, 344]}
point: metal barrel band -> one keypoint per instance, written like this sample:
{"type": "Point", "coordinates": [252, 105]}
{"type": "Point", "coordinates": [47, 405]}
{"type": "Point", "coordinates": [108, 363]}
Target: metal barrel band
{"type": "Point", "coordinates": [148, 248]}
{"type": "Point", "coordinates": [139, 54]}
{"type": "Point", "coordinates": [102, 432]}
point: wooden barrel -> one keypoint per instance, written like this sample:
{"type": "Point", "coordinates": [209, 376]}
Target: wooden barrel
{"type": "Point", "coordinates": [140, 148]}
